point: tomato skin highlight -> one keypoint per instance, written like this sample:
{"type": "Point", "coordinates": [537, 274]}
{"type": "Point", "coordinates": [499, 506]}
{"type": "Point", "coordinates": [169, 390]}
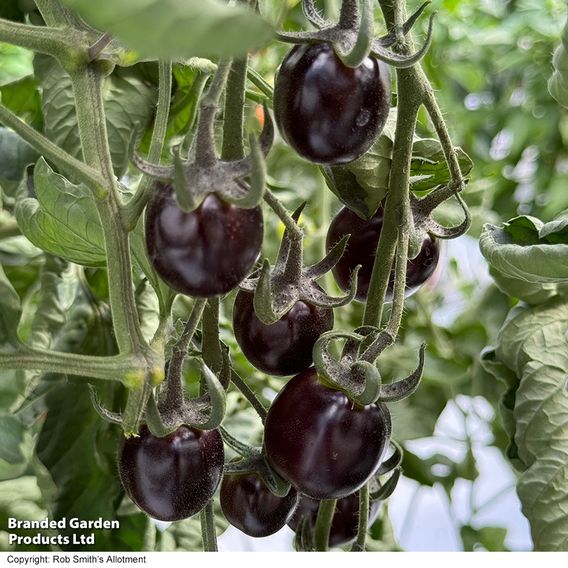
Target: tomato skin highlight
{"type": "Point", "coordinates": [206, 252]}
{"type": "Point", "coordinates": [173, 477]}
{"type": "Point", "coordinates": [362, 247]}
{"type": "Point", "coordinates": [345, 519]}
{"type": "Point", "coordinates": [328, 112]}
{"type": "Point", "coordinates": [284, 347]}
{"type": "Point", "coordinates": [320, 442]}
{"type": "Point", "coordinates": [249, 505]}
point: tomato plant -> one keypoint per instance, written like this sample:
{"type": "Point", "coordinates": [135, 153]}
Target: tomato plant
{"type": "Point", "coordinates": [157, 238]}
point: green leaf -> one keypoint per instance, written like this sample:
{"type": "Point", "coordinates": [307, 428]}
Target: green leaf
{"type": "Point", "coordinates": [177, 28]}
{"type": "Point", "coordinates": [10, 312]}
{"type": "Point", "coordinates": [532, 346]}
{"type": "Point", "coordinates": [129, 104]}
{"type": "Point", "coordinates": [15, 63]}
{"type": "Point", "coordinates": [13, 456]}
{"type": "Point", "coordinates": [491, 538]}
{"type": "Point", "coordinates": [24, 99]}
{"type": "Point", "coordinates": [15, 155]}
{"type": "Point", "coordinates": [63, 220]}
{"type": "Point", "coordinates": [528, 258]}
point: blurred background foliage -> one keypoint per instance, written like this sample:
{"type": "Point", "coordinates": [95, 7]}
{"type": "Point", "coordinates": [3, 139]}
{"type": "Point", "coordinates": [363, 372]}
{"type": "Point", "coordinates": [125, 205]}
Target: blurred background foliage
{"type": "Point", "coordinates": [489, 62]}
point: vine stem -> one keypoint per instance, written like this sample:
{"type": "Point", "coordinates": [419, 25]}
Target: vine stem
{"type": "Point", "coordinates": [247, 392]}
{"type": "Point", "coordinates": [276, 205]}
{"type": "Point", "coordinates": [323, 524]}
{"type": "Point", "coordinates": [233, 121]}
{"type": "Point", "coordinates": [133, 209]}
{"type": "Point", "coordinates": [124, 368]}
{"type": "Point", "coordinates": [174, 381]}
{"type": "Point", "coordinates": [77, 171]}
{"type": "Point", "coordinates": [9, 228]}
{"type": "Point", "coordinates": [87, 87]}
{"type": "Point", "coordinates": [209, 535]}
{"type": "Point", "coordinates": [397, 216]}
{"type": "Point", "coordinates": [59, 43]}
{"type": "Point", "coordinates": [359, 544]}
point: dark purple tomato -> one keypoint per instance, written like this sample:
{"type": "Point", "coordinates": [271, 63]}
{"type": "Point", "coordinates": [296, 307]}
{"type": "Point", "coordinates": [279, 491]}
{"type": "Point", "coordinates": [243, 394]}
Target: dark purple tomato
{"type": "Point", "coordinates": [328, 112]}
{"type": "Point", "coordinates": [361, 249]}
{"type": "Point", "coordinates": [251, 507]}
{"type": "Point", "coordinates": [284, 347]}
{"type": "Point", "coordinates": [320, 442]}
{"type": "Point", "coordinates": [174, 477]}
{"type": "Point", "coordinates": [207, 252]}
{"type": "Point", "coordinates": [345, 519]}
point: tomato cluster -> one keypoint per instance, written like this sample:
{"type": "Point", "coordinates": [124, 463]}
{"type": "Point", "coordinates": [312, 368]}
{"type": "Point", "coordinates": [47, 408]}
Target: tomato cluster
{"type": "Point", "coordinates": [315, 437]}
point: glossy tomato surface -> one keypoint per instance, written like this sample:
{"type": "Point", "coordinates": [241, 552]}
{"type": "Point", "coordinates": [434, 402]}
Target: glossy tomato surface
{"type": "Point", "coordinates": [320, 442]}
{"type": "Point", "coordinates": [206, 252]}
{"type": "Point", "coordinates": [328, 112]}
{"type": "Point", "coordinates": [284, 347]}
{"type": "Point", "coordinates": [174, 477]}
{"type": "Point", "coordinates": [249, 505]}
{"type": "Point", "coordinates": [361, 249]}
{"type": "Point", "coordinates": [345, 519]}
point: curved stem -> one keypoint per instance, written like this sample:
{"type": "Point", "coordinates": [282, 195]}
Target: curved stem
{"type": "Point", "coordinates": [276, 205]}
{"type": "Point", "coordinates": [323, 524]}
{"type": "Point", "coordinates": [133, 209]}
{"type": "Point", "coordinates": [211, 348]}
{"type": "Point", "coordinates": [75, 169]}
{"type": "Point", "coordinates": [401, 265]}
{"type": "Point", "coordinates": [247, 392]}
{"type": "Point", "coordinates": [233, 120]}
{"type": "Point", "coordinates": [359, 544]}
{"type": "Point", "coordinates": [174, 393]}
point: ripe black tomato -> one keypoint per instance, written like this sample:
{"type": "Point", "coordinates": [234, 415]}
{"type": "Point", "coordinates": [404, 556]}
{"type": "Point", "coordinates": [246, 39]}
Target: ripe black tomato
{"type": "Point", "coordinates": [320, 442]}
{"type": "Point", "coordinates": [328, 112]}
{"type": "Point", "coordinates": [206, 252]}
{"type": "Point", "coordinates": [284, 347]}
{"type": "Point", "coordinates": [361, 249]}
{"type": "Point", "coordinates": [345, 519]}
{"type": "Point", "coordinates": [251, 507]}
{"type": "Point", "coordinates": [174, 477]}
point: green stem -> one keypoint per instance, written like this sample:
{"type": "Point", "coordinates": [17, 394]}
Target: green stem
{"type": "Point", "coordinates": [359, 544]}
{"type": "Point", "coordinates": [54, 13]}
{"type": "Point", "coordinates": [208, 532]}
{"type": "Point", "coordinates": [323, 524]}
{"type": "Point", "coordinates": [281, 211]}
{"type": "Point", "coordinates": [401, 266]}
{"type": "Point", "coordinates": [174, 380]}
{"type": "Point", "coordinates": [205, 153]}
{"type": "Point", "coordinates": [87, 87]}
{"type": "Point", "coordinates": [63, 44]}
{"type": "Point", "coordinates": [247, 392]}
{"type": "Point", "coordinates": [132, 211]}
{"type": "Point", "coordinates": [121, 368]}
{"type": "Point", "coordinates": [397, 206]}
{"type": "Point", "coordinates": [210, 343]}
{"type": "Point", "coordinates": [233, 121]}
{"type": "Point", "coordinates": [75, 169]}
